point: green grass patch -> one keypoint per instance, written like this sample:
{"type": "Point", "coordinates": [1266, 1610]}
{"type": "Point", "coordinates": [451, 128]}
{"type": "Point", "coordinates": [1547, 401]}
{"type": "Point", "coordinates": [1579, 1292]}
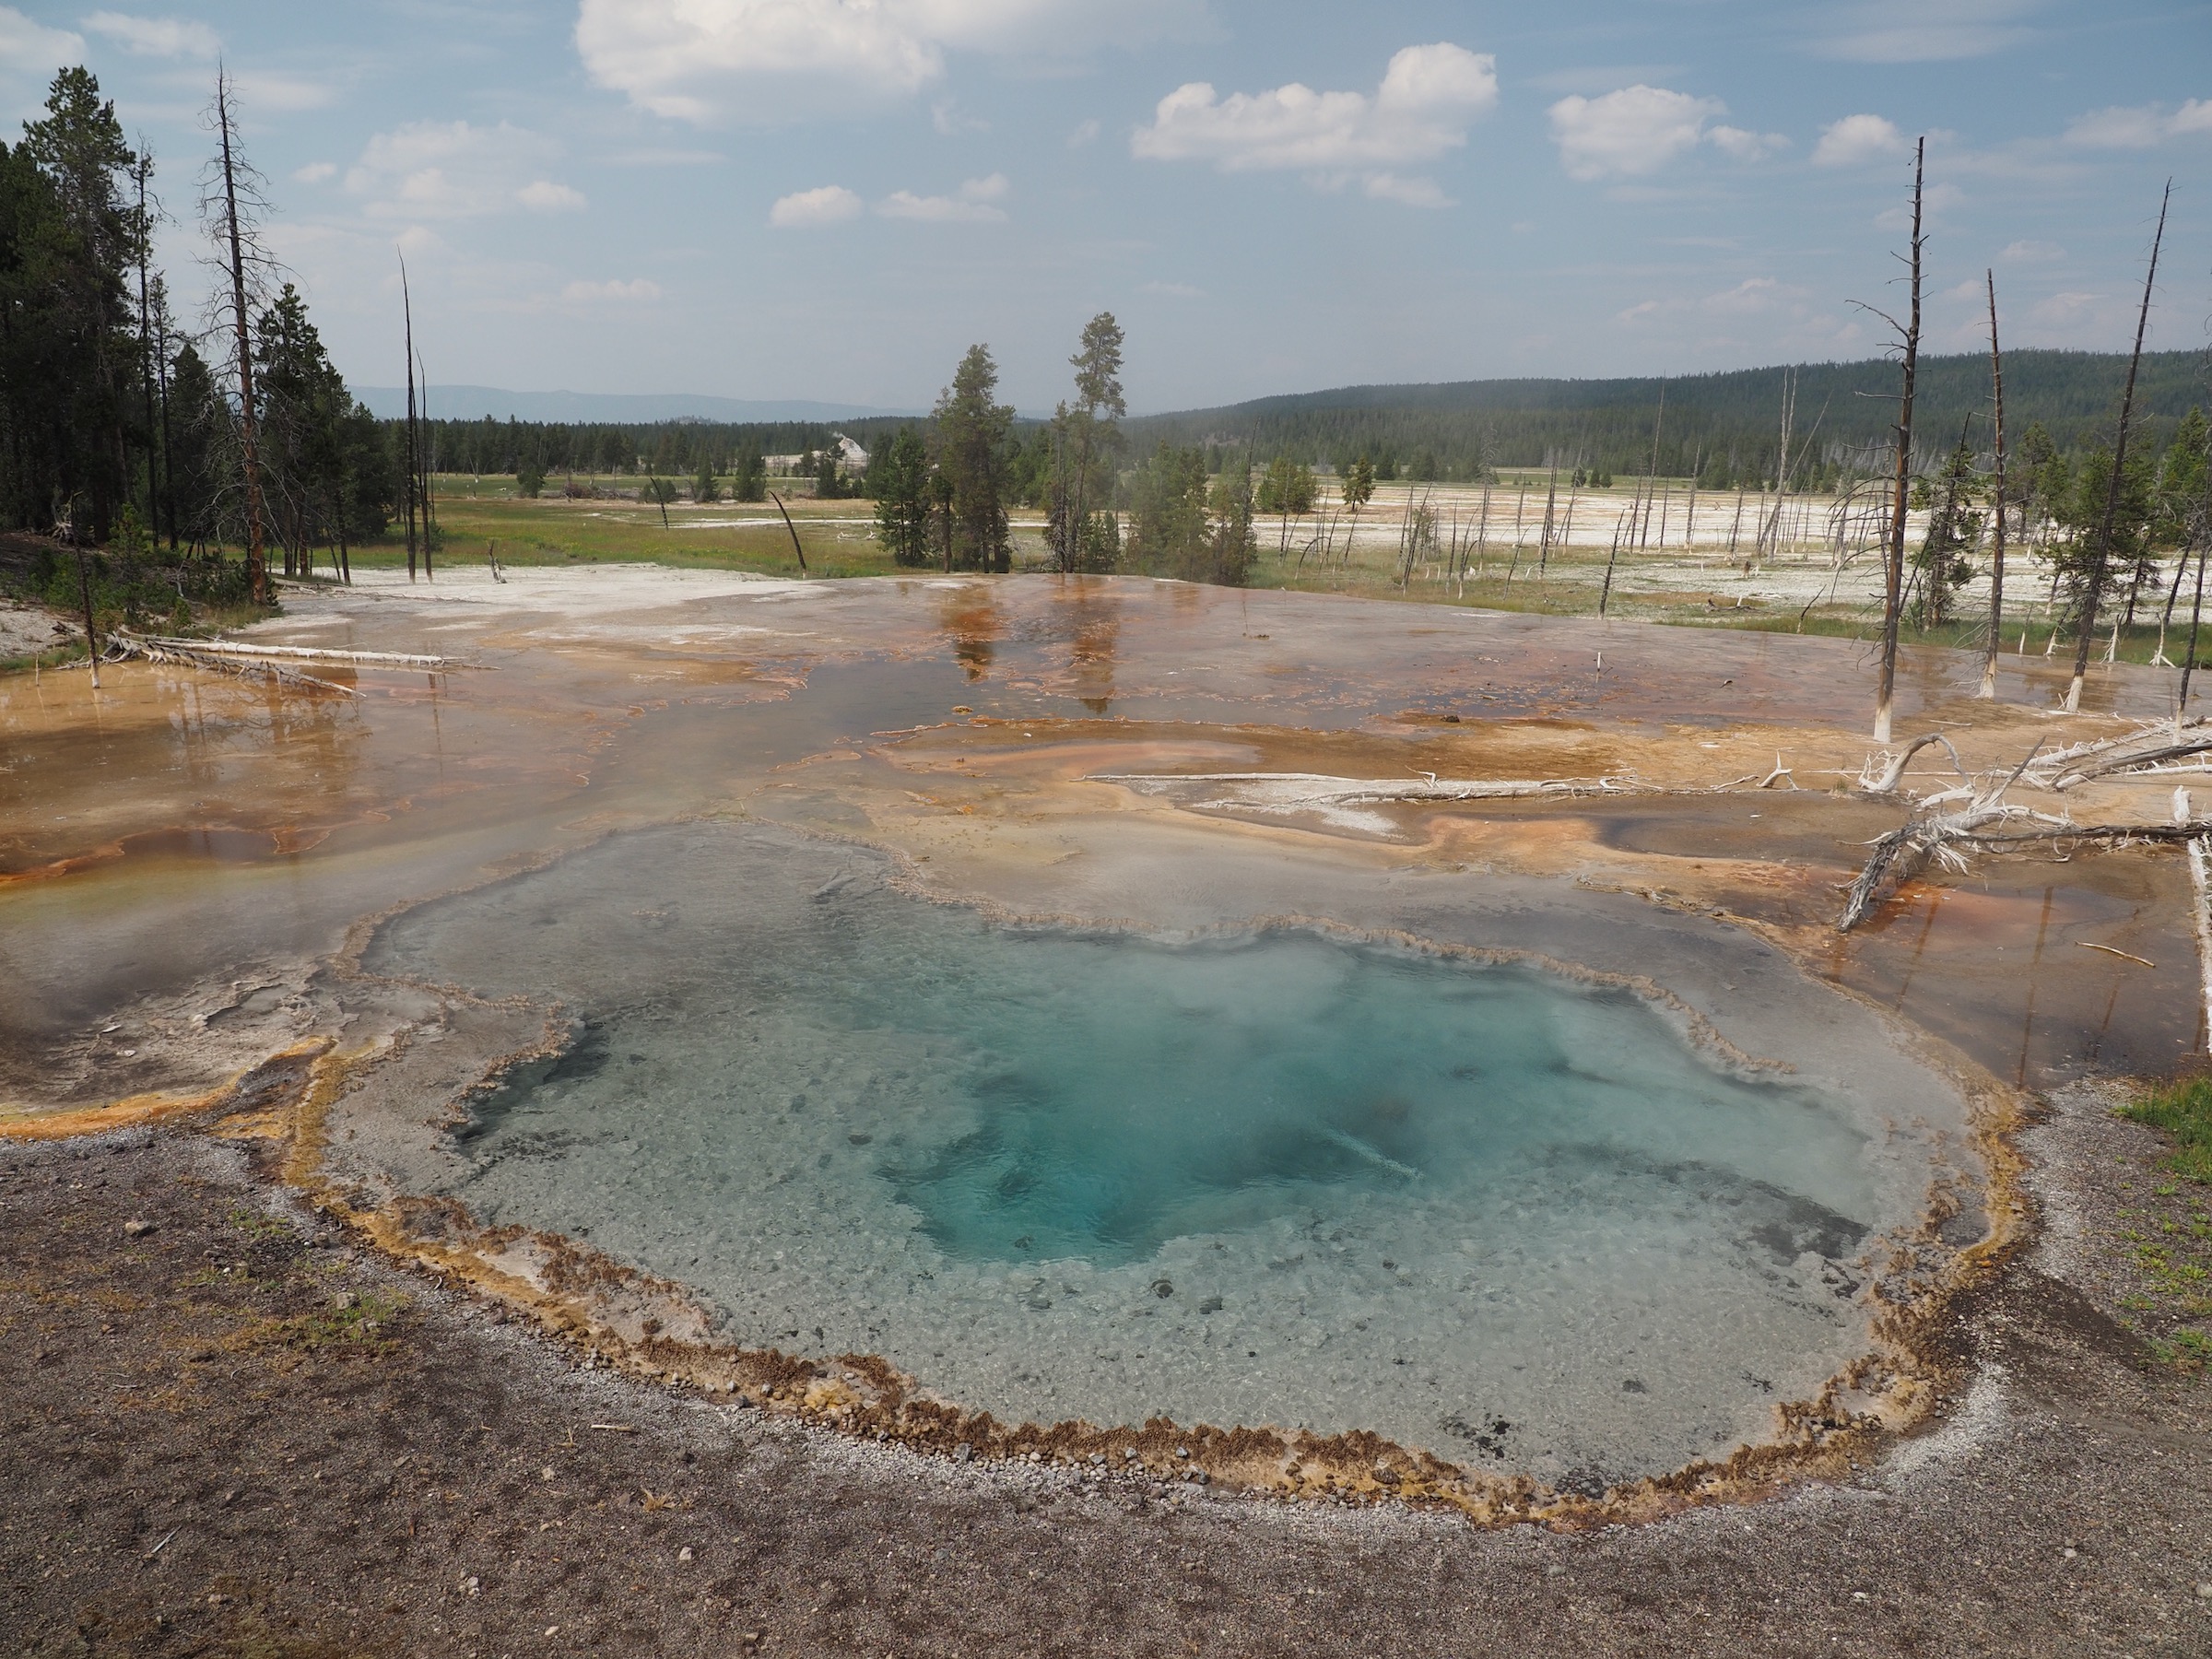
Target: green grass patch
{"type": "Point", "coordinates": [2185, 1350]}
{"type": "Point", "coordinates": [352, 1323]}
{"type": "Point", "coordinates": [256, 1224]}
{"type": "Point", "coordinates": [2184, 1111]}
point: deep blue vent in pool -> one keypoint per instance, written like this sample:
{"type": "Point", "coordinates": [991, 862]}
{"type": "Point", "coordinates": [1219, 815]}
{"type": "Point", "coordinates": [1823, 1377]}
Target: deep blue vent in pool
{"type": "Point", "coordinates": [1126, 1093]}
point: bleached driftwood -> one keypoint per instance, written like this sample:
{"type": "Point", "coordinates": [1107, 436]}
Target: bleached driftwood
{"type": "Point", "coordinates": [1910, 848]}
{"type": "Point", "coordinates": [181, 654]}
{"type": "Point", "coordinates": [1282, 789]}
{"type": "Point", "coordinates": [2133, 760]}
{"type": "Point", "coordinates": [382, 659]}
{"type": "Point", "coordinates": [1894, 773]}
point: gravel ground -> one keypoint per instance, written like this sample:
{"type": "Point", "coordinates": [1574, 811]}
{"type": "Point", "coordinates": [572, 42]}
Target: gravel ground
{"type": "Point", "coordinates": [226, 1430]}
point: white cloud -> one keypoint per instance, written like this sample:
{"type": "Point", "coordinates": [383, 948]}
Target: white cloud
{"type": "Point", "coordinates": [974, 205]}
{"type": "Point", "coordinates": [1743, 144]}
{"type": "Point", "coordinates": [543, 196]}
{"type": "Point", "coordinates": [1857, 140]}
{"type": "Point", "coordinates": [1428, 98]}
{"type": "Point", "coordinates": [1085, 133]}
{"type": "Point", "coordinates": [286, 94]}
{"type": "Point", "coordinates": [452, 169]}
{"type": "Point", "coordinates": [2031, 252]}
{"type": "Point", "coordinates": [315, 172]}
{"type": "Point", "coordinates": [831, 204]}
{"type": "Point", "coordinates": [2141, 126]}
{"type": "Point", "coordinates": [711, 60]}
{"type": "Point", "coordinates": [636, 292]}
{"type": "Point", "coordinates": [1925, 31]}
{"type": "Point", "coordinates": [937, 209]}
{"type": "Point", "coordinates": [1631, 133]}
{"type": "Point", "coordinates": [28, 48]}
{"type": "Point", "coordinates": [156, 37]}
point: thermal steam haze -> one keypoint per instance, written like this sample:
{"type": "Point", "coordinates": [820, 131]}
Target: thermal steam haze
{"type": "Point", "coordinates": [830, 199]}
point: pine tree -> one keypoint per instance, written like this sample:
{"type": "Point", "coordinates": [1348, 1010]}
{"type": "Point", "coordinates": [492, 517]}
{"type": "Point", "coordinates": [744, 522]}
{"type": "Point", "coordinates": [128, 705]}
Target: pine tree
{"type": "Point", "coordinates": [972, 432]}
{"type": "Point", "coordinates": [900, 478]}
{"type": "Point", "coordinates": [1088, 435]}
{"type": "Point", "coordinates": [1940, 566]}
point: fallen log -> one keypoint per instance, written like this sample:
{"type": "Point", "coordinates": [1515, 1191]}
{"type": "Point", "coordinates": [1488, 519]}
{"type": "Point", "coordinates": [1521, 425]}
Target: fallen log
{"type": "Point", "coordinates": [1906, 851]}
{"type": "Point", "coordinates": [121, 645]}
{"type": "Point", "coordinates": [2134, 760]}
{"type": "Point", "coordinates": [385, 659]}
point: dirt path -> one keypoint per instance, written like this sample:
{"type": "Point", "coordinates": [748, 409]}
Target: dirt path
{"type": "Point", "coordinates": [234, 1434]}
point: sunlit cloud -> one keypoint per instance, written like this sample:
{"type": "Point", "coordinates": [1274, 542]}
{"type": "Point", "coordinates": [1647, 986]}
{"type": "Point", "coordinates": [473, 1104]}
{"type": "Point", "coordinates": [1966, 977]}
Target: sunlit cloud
{"type": "Point", "coordinates": [1429, 99]}
{"type": "Point", "coordinates": [1633, 132]}
{"type": "Point", "coordinates": [1857, 140]}
{"type": "Point", "coordinates": [830, 205]}
{"type": "Point", "coordinates": [734, 60]}
{"type": "Point", "coordinates": [974, 205]}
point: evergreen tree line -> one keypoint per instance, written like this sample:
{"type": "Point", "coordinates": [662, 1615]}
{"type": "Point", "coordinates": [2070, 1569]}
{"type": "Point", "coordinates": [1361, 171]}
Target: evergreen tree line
{"type": "Point", "coordinates": [1724, 429]}
{"type": "Point", "coordinates": [120, 427]}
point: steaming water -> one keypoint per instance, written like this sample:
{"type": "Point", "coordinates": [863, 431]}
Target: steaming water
{"type": "Point", "coordinates": [1276, 1177]}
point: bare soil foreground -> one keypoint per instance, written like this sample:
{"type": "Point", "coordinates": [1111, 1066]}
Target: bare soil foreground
{"type": "Point", "coordinates": [269, 1387]}
{"type": "Point", "coordinates": [236, 1434]}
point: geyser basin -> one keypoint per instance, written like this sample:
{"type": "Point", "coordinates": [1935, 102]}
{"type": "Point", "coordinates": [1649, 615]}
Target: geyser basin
{"type": "Point", "coordinates": [1277, 1176]}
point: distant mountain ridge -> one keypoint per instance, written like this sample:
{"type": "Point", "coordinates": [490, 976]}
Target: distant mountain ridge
{"type": "Point", "coordinates": [611, 408]}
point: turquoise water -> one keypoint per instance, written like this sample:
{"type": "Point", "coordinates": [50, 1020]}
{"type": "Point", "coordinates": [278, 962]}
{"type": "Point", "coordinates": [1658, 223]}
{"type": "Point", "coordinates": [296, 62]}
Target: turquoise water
{"type": "Point", "coordinates": [1126, 1093]}
{"type": "Point", "coordinates": [1276, 1176]}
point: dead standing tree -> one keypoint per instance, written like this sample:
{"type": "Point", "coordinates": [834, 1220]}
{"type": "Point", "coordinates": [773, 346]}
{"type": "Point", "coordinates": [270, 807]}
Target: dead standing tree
{"type": "Point", "coordinates": [1893, 574]}
{"type": "Point", "coordinates": [231, 202]}
{"type": "Point", "coordinates": [2101, 560]}
{"type": "Point", "coordinates": [406, 312]}
{"type": "Point", "coordinates": [1996, 562]}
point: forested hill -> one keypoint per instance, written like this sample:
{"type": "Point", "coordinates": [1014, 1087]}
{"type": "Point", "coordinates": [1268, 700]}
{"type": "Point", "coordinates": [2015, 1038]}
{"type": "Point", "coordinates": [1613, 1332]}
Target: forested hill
{"type": "Point", "coordinates": [1717, 424]}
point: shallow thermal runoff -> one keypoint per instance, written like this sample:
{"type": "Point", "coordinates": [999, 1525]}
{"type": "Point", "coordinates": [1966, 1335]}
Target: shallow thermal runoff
{"type": "Point", "coordinates": [1331, 1045]}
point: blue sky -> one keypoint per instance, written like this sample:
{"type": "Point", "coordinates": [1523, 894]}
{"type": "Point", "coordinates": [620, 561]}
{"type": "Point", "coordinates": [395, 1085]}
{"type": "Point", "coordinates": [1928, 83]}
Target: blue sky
{"type": "Point", "coordinates": [832, 199]}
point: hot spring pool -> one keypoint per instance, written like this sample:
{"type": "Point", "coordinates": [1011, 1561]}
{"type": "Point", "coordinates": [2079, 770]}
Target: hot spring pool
{"type": "Point", "coordinates": [1280, 1176]}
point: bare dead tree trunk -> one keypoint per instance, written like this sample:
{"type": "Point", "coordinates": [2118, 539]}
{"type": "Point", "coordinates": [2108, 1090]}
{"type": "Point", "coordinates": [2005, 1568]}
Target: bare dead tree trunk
{"type": "Point", "coordinates": [801, 552]}
{"type": "Point", "coordinates": [84, 591]}
{"type": "Point", "coordinates": [1893, 576]}
{"type": "Point", "coordinates": [1997, 563]}
{"type": "Point", "coordinates": [406, 312]}
{"type": "Point", "coordinates": [428, 462]}
{"type": "Point", "coordinates": [1605, 596]}
{"type": "Point", "coordinates": [1551, 503]}
{"type": "Point", "coordinates": [141, 169]}
{"type": "Point", "coordinates": [1643, 534]}
{"type": "Point", "coordinates": [258, 571]}
{"type": "Point", "coordinates": [168, 470]}
{"type": "Point", "coordinates": [2112, 494]}
{"type": "Point", "coordinates": [2196, 613]}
